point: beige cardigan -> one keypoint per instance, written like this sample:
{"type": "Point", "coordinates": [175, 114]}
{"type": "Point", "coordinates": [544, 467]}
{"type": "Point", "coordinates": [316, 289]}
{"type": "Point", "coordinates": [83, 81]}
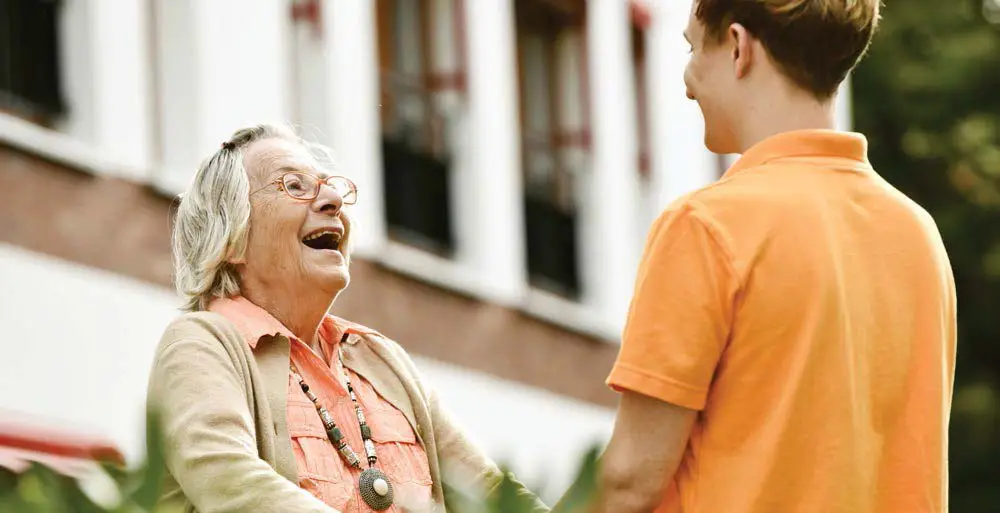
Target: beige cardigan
{"type": "Point", "coordinates": [222, 410]}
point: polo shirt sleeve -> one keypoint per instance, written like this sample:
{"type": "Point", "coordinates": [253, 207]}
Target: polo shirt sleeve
{"type": "Point", "coordinates": [679, 319]}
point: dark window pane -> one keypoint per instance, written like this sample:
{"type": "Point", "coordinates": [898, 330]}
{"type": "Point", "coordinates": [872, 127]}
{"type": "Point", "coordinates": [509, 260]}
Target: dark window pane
{"type": "Point", "coordinates": [417, 204]}
{"type": "Point", "coordinates": [551, 238]}
{"type": "Point", "coordinates": [30, 81]}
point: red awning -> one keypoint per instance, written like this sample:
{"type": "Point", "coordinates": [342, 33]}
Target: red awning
{"type": "Point", "coordinates": [66, 452]}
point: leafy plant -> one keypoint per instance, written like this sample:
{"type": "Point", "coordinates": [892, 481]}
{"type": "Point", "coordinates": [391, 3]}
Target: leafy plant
{"type": "Point", "coordinates": [41, 489]}
{"type": "Point", "coordinates": [505, 499]}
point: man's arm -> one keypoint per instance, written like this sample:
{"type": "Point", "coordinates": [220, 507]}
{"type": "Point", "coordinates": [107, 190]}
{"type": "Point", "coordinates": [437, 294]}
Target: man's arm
{"type": "Point", "coordinates": [647, 445]}
{"type": "Point", "coordinates": [677, 330]}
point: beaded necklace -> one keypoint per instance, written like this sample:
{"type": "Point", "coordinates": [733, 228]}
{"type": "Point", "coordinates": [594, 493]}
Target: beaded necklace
{"type": "Point", "coordinates": [375, 486]}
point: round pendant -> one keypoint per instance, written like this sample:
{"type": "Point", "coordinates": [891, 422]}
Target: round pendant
{"type": "Point", "coordinates": [376, 489]}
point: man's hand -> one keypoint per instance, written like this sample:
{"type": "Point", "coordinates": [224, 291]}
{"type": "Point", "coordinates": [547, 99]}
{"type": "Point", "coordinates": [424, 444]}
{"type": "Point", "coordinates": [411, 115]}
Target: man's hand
{"type": "Point", "coordinates": [649, 440]}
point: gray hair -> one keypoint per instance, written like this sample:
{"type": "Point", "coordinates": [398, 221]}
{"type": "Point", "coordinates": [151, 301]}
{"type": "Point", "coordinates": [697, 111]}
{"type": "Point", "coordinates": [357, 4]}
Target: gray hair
{"type": "Point", "coordinates": [212, 222]}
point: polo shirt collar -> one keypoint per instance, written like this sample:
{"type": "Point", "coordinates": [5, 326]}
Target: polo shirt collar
{"type": "Point", "coordinates": [803, 143]}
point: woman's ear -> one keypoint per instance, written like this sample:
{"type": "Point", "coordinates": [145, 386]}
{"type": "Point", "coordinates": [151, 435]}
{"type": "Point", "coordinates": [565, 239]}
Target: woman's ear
{"type": "Point", "coordinates": [236, 246]}
{"type": "Point", "coordinates": [234, 257]}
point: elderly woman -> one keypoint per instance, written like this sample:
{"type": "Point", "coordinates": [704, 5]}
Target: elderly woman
{"type": "Point", "coordinates": [268, 403]}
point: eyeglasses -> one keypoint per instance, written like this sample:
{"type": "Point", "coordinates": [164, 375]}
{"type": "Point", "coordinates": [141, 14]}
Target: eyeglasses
{"type": "Point", "coordinates": [304, 186]}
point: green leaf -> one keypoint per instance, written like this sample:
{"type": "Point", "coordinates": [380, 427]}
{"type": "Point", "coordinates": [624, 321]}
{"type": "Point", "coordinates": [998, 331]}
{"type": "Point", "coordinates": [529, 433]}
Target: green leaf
{"type": "Point", "coordinates": [147, 491]}
{"type": "Point", "coordinates": [10, 496]}
{"type": "Point", "coordinates": [459, 501]}
{"type": "Point", "coordinates": [116, 472]}
{"type": "Point", "coordinates": [76, 500]}
{"type": "Point", "coordinates": [505, 498]}
{"type": "Point", "coordinates": [583, 491]}
{"type": "Point", "coordinates": [45, 490]}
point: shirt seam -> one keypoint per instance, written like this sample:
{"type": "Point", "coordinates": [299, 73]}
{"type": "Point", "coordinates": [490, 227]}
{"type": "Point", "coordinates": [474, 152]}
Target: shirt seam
{"type": "Point", "coordinates": [810, 155]}
{"type": "Point", "coordinates": [715, 233]}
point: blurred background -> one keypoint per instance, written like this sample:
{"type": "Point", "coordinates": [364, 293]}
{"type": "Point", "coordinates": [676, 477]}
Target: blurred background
{"type": "Point", "coordinates": [510, 156]}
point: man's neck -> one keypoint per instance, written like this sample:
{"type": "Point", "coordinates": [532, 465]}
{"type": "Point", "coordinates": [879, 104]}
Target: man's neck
{"type": "Point", "coordinates": [784, 111]}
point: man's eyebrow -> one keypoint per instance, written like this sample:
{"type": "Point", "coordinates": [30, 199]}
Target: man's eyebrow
{"type": "Point", "coordinates": [686, 38]}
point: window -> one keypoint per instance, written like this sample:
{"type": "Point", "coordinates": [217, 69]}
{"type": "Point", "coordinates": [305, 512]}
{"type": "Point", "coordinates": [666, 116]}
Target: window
{"type": "Point", "coordinates": [30, 81]}
{"type": "Point", "coordinates": [556, 138]}
{"type": "Point", "coordinates": [416, 152]}
{"type": "Point", "coordinates": [641, 102]}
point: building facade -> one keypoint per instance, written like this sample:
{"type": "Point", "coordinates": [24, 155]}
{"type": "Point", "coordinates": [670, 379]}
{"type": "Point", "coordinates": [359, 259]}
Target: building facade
{"type": "Point", "coordinates": [510, 156]}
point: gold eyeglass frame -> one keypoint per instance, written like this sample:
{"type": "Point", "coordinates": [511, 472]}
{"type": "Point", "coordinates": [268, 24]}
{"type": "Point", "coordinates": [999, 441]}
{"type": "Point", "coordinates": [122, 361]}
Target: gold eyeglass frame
{"type": "Point", "coordinates": [349, 199]}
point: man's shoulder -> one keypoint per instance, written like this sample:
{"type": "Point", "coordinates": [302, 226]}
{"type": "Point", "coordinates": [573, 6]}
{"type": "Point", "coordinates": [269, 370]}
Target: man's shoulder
{"type": "Point", "coordinates": [767, 191]}
{"type": "Point", "coordinates": [709, 205]}
{"type": "Point", "coordinates": [736, 211]}
{"type": "Point", "coordinates": [725, 191]}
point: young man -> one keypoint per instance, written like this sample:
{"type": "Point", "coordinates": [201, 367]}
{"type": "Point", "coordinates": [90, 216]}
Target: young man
{"type": "Point", "coordinates": [791, 342]}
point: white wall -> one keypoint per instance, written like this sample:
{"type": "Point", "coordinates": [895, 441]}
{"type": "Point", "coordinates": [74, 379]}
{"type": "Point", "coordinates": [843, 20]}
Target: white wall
{"type": "Point", "coordinates": [107, 80]}
{"type": "Point", "coordinates": [79, 342]}
{"type": "Point", "coordinates": [221, 65]}
{"type": "Point", "coordinates": [352, 84]}
{"type": "Point", "coordinates": [608, 211]}
{"type": "Point", "coordinates": [679, 161]}
{"type": "Point", "coordinates": [843, 117]}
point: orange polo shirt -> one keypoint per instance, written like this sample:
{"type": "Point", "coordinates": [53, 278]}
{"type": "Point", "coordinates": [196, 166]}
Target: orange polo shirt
{"type": "Point", "coordinates": [321, 470]}
{"type": "Point", "coordinates": [806, 308]}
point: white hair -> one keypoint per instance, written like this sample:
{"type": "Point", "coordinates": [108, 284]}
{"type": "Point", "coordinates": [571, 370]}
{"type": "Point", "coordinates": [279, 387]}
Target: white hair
{"type": "Point", "coordinates": [212, 222]}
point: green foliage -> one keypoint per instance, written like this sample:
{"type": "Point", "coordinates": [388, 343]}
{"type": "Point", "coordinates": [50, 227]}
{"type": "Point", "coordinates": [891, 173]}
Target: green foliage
{"type": "Point", "coordinates": [505, 499]}
{"type": "Point", "coordinates": [583, 491]}
{"type": "Point", "coordinates": [928, 98]}
{"type": "Point", "coordinates": [42, 490]}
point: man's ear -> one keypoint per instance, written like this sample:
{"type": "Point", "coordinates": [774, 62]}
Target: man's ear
{"type": "Point", "coordinates": [742, 46]}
